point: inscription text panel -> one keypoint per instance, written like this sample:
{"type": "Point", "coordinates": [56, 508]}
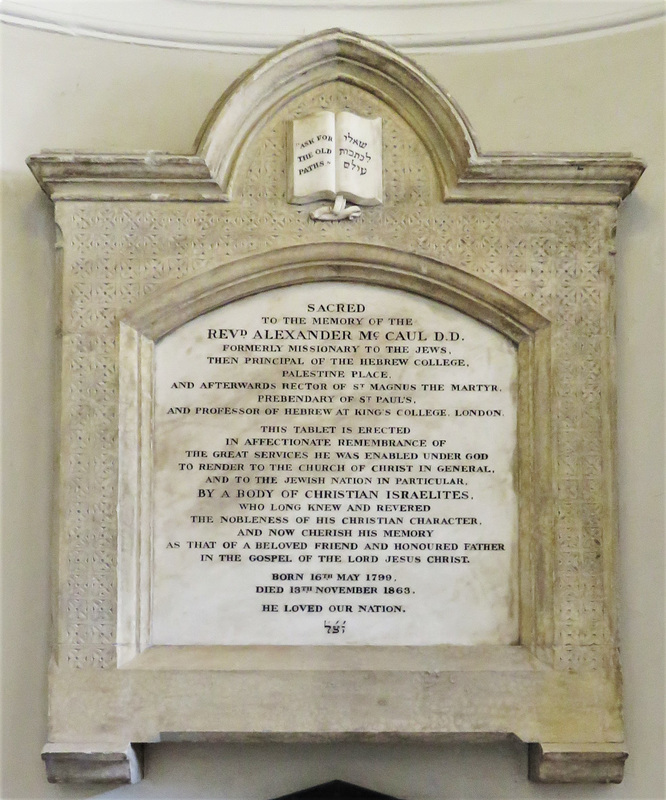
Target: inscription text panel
{"type": "Point", "coordinates": [334, 464]}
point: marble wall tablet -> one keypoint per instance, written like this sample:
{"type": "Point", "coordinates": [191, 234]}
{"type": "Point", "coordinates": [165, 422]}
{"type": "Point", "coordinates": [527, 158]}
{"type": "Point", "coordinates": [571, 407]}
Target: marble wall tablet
{"type": "Point", "coordinates": [338, 474]}
{"type": "Point", "coordinates": [362, 462]}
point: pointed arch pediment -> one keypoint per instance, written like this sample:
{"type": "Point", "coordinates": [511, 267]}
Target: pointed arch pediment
{"type": "Point", "coordinates": [460, 171]}
{"type": "Point", "coordinates": [336, 55]}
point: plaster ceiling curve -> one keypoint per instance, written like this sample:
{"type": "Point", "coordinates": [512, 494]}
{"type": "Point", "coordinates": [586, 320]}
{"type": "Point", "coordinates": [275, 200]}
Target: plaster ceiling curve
{"type": "Point", "coordinates": [408, 25]}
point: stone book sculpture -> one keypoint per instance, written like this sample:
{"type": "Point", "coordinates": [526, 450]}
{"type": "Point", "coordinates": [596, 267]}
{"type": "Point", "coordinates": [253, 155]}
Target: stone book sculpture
{"type": "Point", "coordinates": [360, 463]}
{"type": "Point", "coordinates": [336, 157]}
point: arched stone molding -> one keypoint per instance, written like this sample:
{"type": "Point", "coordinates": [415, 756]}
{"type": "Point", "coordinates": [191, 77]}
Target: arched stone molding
{"type": "Point", "coordinates": [163, 312]}
{"type": "Point", "coordinates": [350, 58]}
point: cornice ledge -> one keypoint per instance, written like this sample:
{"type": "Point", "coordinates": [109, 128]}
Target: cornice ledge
{"type": "Point", "coordinates": [576, 178]}
{"type": "Point", "coordinates": [67, 175]}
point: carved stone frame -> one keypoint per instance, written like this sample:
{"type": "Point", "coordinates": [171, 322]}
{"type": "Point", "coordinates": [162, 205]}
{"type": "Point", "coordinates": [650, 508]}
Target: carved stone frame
{"type": "Point", "coordinates": [523, 243]}
{"type": "Point", "coordinates": [165, 311]}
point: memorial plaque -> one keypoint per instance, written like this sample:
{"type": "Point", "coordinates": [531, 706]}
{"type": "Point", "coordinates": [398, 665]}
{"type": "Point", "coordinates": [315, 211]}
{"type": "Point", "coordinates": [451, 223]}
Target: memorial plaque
{"type": "Point", "coordinates": [338, 474]}
{"type": "Point", "coordinates": [357, 458]}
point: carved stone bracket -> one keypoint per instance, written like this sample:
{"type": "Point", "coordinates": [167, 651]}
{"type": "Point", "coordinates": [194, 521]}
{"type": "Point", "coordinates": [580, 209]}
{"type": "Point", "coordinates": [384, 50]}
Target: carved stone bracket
{"type": "Point", "coordinates": [582, 763]}
{"type": "Point", "coordinates": [78, 762]}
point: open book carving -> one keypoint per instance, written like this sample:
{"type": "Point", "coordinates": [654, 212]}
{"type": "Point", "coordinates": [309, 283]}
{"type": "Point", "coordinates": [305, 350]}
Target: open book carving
{"type": "Point", "coordinates": [336, 156]}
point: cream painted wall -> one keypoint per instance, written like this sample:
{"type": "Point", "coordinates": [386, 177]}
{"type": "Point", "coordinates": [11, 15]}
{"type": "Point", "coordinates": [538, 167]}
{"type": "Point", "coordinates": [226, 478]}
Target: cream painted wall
{"type": "Point", "coordinates": [596, 94]}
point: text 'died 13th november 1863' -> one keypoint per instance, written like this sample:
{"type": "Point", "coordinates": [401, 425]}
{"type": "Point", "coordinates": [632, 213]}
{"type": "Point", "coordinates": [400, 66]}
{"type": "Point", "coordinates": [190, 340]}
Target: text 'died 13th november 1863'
{"type": "Point", "coordinates": [334, 464]}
